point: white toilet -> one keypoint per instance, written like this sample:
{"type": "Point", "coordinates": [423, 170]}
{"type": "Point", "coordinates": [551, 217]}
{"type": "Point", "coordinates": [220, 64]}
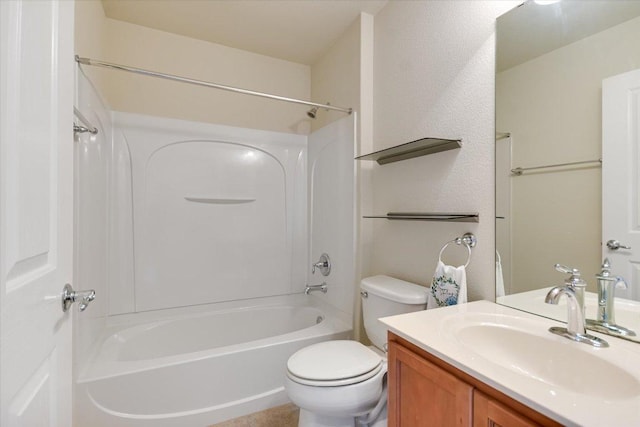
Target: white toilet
{"type": "Point", "coordinates": [343, 383]}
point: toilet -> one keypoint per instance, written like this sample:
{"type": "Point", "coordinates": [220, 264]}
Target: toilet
{"type": "Point", "coordinates": [343, 383]}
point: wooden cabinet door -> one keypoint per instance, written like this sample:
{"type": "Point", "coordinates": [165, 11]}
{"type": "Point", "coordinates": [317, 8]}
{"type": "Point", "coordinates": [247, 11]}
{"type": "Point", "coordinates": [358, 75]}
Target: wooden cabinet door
{"type": "Point", "coordinates": [423, 395]}
{"type": "Point", "coordinates": [490, 413]}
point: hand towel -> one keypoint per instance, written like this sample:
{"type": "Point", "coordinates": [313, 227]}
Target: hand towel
{"type": "Point", "coordinates": [449, 286]}
{"type": "Point", "coordinates": [499, 277]}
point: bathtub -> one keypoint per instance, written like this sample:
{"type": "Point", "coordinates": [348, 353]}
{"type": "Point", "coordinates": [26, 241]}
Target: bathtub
{"type": "Point", "coordinates": [199, 366]}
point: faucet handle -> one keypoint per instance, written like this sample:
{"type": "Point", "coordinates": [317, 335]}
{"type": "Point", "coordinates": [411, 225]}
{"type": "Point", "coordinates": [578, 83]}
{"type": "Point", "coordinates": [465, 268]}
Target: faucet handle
{"type": "Point", "coordinates": [569, 270]}
{"type": "Point", "coordinates": [574, 279]}
{"type": "Point", "coordinates": [621, 283]}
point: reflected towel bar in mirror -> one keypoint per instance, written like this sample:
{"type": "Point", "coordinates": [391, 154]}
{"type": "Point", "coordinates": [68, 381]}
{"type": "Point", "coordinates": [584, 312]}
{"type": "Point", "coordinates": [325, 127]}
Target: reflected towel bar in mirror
{"type": "Point", "coordinates": [430, 216]}
{"type": "Point", "coordinates": [519, 171]}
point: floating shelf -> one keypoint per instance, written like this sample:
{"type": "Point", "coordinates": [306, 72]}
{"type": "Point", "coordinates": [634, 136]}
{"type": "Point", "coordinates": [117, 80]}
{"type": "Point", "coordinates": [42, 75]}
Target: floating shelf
{"type": "Point", "coordinates": [409, 150]}
{"type": "Point", "coordinates": [430, 216]}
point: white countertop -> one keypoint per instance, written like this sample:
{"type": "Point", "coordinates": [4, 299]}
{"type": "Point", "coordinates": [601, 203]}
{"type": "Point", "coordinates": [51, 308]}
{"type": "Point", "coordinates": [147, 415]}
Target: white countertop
{"type": "Point", "coordinates": [435, 332]}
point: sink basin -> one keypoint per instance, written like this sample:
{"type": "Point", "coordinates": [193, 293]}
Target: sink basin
{"type": "Point", "coordinates": [515, 344]}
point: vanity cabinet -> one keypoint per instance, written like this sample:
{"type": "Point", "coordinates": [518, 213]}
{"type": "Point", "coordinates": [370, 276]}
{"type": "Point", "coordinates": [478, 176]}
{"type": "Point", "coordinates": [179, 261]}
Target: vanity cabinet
{"type": "Point", "coordinates": [426, 391]}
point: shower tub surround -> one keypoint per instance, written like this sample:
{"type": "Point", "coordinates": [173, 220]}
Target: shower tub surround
{"type": "Point", "coordinates": [218, 213]}
{"type": "Point", "coordinates": [210, 232]}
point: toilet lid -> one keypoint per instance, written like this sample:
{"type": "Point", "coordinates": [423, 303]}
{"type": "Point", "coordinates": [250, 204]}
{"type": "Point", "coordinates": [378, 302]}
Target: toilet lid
{"type": "Point", "coordinates": [343, 361]}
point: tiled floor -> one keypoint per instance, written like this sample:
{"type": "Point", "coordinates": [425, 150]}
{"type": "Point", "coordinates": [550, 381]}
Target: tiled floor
{"type": "Point", "coordinates": [280, 416]}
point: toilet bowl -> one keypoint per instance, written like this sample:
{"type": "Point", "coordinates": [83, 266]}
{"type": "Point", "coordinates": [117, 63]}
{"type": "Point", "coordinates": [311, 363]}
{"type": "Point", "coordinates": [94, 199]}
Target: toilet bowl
{"type": "Point", "coordinates": [343, 383]}
{"type": "Point", "coordinates": [338, 380]}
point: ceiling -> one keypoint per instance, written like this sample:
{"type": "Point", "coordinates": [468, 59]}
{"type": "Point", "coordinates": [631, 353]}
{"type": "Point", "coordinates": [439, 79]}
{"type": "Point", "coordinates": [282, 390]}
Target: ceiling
{"type": "Point", "coordinates": [531, 30]}
{"type": "Point", "coordinates": [294, 30]}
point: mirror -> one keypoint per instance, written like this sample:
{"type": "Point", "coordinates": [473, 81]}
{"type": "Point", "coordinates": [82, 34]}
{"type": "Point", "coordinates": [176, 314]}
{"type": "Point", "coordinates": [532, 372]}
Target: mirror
{"type": "Point", "coordinates": [551, 60]}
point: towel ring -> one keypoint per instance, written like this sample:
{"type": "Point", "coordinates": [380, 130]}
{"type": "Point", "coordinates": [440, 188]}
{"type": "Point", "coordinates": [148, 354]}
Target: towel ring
{"type": "Point", "coordinates": [468, 239]}
{"type": "Point", "coordinates": [453, 241]}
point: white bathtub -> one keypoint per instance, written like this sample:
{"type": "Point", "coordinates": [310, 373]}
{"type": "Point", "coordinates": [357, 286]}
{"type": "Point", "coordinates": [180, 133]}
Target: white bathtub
{"type": "Point", "coordinates": [200, 368]}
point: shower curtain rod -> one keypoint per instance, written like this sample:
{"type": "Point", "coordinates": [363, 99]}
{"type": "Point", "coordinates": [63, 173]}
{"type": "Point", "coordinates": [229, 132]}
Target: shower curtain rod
{"type": "Point", "coordinates": [96, 63]}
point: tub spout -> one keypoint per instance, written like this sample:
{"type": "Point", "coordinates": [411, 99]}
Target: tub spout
{"type": "Point", "coordinates": [321, 287]}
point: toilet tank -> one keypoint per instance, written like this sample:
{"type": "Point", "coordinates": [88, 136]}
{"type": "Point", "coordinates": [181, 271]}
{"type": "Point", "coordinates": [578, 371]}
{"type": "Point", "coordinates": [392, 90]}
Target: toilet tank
{"type": "Point", "coordinates": [386, 296]}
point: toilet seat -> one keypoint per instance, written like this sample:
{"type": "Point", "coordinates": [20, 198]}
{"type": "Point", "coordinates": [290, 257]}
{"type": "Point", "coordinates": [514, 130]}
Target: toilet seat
{"type": "Point", "coordinates": [333, 363]}
{"type": "Point", "coordinates": [335, 383]}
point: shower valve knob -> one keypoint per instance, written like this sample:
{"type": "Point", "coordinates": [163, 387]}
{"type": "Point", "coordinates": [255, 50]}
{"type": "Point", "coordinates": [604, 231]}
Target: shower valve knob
{"type": "Point", "coordinates": [324, 265]}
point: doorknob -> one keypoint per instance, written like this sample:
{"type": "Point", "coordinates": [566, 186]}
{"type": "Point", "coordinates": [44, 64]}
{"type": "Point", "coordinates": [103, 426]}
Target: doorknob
{"type": "Point", "coordinates": [614, 245]}
{"type": "Point", "coordinates": [69, 296]}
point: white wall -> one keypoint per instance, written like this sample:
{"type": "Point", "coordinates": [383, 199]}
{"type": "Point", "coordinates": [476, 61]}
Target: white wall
{"type": "Point", "coordinates": [551, 105]}
{"type": "Point", "coordinates": [433, 76]}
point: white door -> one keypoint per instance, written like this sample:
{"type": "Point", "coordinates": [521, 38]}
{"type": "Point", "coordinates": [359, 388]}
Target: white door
{"type": "Point", "coordinates": [36, 192]}
{"type": "Point", "coordinates": [620, 177]}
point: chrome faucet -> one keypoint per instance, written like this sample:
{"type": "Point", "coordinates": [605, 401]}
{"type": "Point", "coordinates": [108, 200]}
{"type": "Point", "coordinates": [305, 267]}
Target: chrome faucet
{"type": "Point", "coordinates": [574, 290]}
{"type": "Point", "coordinates": [321, 287]}
{"type": "Point", "coordinates": [607, 285]}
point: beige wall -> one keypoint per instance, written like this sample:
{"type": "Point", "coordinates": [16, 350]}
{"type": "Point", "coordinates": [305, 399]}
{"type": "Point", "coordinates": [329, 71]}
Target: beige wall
{"type": "Point", "coordinates": [335, 77]}
{"type": "Point", "coordinates": [434, 76]}
{"type": "Point", "coordinates": [90, 37]}
{"type": "Point", "coordinates": [552, 107]}
{"type": "Point", "coordinates": [142, 47]}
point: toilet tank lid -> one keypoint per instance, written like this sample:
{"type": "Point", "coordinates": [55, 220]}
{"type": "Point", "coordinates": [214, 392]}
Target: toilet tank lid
{"type": "Point", "coordinates": [395, 289]}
